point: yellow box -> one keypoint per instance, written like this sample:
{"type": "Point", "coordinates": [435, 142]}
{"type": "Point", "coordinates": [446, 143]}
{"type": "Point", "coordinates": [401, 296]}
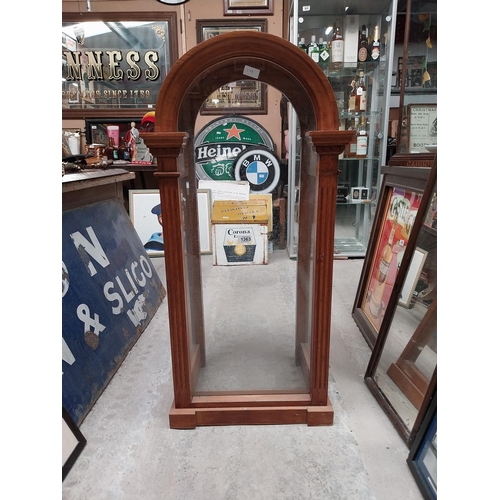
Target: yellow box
{"type": "Point", "coordinates": [241, 212]}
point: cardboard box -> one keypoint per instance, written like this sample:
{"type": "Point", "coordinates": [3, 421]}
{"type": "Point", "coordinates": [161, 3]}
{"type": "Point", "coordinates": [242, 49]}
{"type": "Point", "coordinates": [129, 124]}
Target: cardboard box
{"type": "Point", "coordinates": [239, 244]}
{"type": "Point", "coordinates": [242, 211]}
{"type": "Point", "coordinates": [351, 41]}
{"type": "Point", "coordinates": [239, 232]}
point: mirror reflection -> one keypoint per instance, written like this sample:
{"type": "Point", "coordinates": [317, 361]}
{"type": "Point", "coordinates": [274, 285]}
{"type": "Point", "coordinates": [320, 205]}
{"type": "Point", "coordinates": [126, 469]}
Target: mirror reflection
{"type": "Point", "coordinates": [409, 356]}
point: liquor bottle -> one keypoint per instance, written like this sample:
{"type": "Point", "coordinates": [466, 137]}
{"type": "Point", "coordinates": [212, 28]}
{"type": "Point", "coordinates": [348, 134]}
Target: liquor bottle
{"type": "Point", "coordinates": [313, 49]}
{"type": "Point", "coordinates": [361, 140]}
{"type": "Point", "coordinates": [350, 149]}
{"type": "Point", "coordinates": [352, 97]}
{"type": "Point", "coordinates": [375, 46]}
{"type": "Point", "coordinates": [123, 152]}
{"type": "Point", "coordinates": [360, 103]}
{"type": "Point", "coordinates": [363, 46]}
{"type": "Point", "coordinates": [337, 48]}
{"type": "Point", "coordinates": [324, 54]}
{"type": "Point", "coordinates": [112, 150]}
{"type": "Point", "coordinates": [302, 45]}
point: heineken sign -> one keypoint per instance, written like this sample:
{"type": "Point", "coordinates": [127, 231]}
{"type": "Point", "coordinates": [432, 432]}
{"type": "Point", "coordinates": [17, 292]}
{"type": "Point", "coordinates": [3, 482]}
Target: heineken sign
{"type": "Point", "coordinates": [218, 144]}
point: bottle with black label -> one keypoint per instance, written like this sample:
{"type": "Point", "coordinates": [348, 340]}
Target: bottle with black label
{"type": "Point", "coordinates": [363, 46]}
{"type": "Point", "coordinates": [313, 49]}
{"type": "Point", "coordinates": [352, 97]}
{"type": "Point", "coordinates": [375, 46]}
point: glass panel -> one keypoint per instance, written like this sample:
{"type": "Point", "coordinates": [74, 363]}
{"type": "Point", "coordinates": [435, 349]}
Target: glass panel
{"type": "Point", "coordinates": [118, 64]}
{"type": "Point", "coordinates": [249, 305]}
{"type": "Point", "coordinates": [409, 356]}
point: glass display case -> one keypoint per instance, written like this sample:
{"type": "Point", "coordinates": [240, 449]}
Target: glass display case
{"type": "Point", "coordinates": [331, 33]}
{"type": "Point", "coordinates": [249, 342]}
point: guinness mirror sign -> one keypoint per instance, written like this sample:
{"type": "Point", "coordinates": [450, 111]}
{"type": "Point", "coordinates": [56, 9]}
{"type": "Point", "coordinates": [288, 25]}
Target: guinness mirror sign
{"type": "Point", "coordinates": [113, 64]}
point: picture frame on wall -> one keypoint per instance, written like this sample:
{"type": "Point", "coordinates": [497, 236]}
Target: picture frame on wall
{"type": "Point", "coordinates": [248, 7]}
{"type": "Point", "coordinates": [248, 96]}
{"type": "Point", "coordinates": [73, 442]}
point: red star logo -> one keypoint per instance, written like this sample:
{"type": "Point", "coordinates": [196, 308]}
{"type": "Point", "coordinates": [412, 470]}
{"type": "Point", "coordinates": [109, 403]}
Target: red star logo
{"type": "Point", "coordinates": [234, 131]}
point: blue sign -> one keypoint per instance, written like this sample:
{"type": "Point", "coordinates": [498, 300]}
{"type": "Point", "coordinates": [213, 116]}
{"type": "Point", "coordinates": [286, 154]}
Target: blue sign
{"type": "Point", "coordinates": [110, 292]}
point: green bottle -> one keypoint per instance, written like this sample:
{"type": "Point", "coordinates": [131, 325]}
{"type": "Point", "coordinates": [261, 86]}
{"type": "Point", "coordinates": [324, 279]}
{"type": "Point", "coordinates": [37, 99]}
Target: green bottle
{"type": "Point", "coordinates": [324, 54]}
{"type": "Point", "coordinates": [313, 49]}
{"type": "Point", "coordinates": [302, 45]}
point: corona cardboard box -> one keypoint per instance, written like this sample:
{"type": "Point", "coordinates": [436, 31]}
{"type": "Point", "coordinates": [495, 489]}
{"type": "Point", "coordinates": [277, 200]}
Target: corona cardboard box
{"type": "Point", "coordinates": [239, 232]}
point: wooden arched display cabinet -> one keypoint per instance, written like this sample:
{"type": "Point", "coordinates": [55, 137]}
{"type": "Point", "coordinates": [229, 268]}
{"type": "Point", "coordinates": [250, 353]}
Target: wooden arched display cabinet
{"type": "Point", "coordinates": [269, 59]}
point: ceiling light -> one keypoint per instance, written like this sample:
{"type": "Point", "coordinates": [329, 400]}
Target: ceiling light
{"type": "Point", "coordinates": [173, 2]}
{"type": "Point", "coordinates": [328, 30]}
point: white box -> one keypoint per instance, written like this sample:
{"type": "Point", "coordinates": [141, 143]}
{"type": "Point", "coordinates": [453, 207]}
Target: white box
{"type": "Point", "coordinates": [239, 244]}
{"type": "Point", "coordinates": [351, 39]}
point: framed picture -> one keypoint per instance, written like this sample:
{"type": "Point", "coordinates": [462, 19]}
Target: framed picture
{"type": "Point", "coordinates": [205, 220]}
{"type": "Point", "coordinates": [145, 213]}
{"type": "Point", "coordinates": [422, 127]}
{"type": "Point", "coordinates": [248, 96]}
{"type": "Point", "coordinates": [73, 442]}
{"type": "Point", "coordinates": [411, 280]}
{"type": "Point", "coordinates": [400, 210]}
{"type": "Point", "coordinates": [248, 7]}
{"type": "Point", "coordinates": [402, 200]}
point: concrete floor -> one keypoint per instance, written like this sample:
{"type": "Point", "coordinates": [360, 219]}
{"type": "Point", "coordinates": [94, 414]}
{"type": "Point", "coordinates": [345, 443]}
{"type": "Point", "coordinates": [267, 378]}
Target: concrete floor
{"type": "Point", "coordinates": [132, 453]}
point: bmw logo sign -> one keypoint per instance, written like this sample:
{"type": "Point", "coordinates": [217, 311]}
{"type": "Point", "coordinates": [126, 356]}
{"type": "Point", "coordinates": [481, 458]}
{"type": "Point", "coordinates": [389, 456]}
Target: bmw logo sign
{"type": "Point", "coordinates": [260, 167]}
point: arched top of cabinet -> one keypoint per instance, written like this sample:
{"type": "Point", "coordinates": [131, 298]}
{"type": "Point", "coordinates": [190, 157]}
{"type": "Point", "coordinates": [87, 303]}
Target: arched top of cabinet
{"type": "Point", "coordinates": [246, 55]}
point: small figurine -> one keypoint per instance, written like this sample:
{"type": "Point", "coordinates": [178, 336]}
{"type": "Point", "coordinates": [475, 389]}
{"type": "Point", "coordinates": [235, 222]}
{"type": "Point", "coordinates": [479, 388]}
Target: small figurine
{"type": "Point", "coordinates": [132, 138]}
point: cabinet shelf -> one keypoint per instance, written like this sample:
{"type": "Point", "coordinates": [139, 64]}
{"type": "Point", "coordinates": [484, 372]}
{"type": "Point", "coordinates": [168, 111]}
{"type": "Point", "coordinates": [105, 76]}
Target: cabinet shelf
{"type": "Point", "coordinates": [349, 202]}
{"type": "Point", "coordinates": [358, 114]}
{"type": "Point", "coordinates": [350, 71]}
{"type": "Point", "coordinates": [376, 158]}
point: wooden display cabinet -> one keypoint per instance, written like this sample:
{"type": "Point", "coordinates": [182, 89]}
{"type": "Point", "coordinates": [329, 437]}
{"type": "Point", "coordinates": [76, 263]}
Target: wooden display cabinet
{"type": "Point", "coordinates": [206, 67]}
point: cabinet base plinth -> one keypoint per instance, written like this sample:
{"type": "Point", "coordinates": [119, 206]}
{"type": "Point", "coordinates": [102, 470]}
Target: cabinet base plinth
{"type": "Point", "coordinates": [190, 418]}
